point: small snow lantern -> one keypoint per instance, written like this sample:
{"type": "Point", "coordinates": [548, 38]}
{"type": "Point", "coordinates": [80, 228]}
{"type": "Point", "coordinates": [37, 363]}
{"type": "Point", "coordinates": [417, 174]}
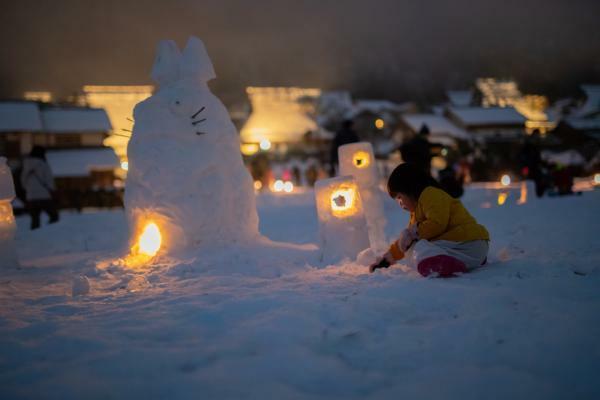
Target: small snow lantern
{"type": "Point", "coordinates": [8, 227]}
{"type": "Point", "coordinates": [148, 239]}
{"type": "Point", "coordinates": [358, 160]}
{"type": "Point", "coordinates": [342, 225]}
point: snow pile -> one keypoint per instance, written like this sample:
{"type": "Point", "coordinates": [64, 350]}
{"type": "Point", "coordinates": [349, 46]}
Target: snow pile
{"type": "Point", "coordinates": [186, 173]}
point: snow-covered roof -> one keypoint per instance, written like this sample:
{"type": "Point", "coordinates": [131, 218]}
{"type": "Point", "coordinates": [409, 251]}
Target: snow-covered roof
{"type": "Point", "coordinates": [378, 106]}
{"type": "Point", "coordinates": [338, 99]}
{"type": "Point", "coordinates": [80, 162]}
{"type": "Point", "coordinates": [443, 140]}
{"type": "Point", "coordinates": [75, 120]}
{"type": "Point", "coordinates": [477, 116]}
{"type": "Point", "coordinates": [460, 98]}
{"type": "Point", "coordinates": [568, 157]}
{"type": "Point", "coordinates": [20, 116]}
{"type": "Point", "coordinates": [592, 103]}
{"type": "Point", "coordinates": [437, 125]}
{"type": "Point", "coordinates": [584, 123]}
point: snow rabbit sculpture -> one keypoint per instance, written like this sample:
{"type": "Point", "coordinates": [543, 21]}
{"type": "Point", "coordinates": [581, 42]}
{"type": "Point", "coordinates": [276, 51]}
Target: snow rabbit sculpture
{"type": "Point", "coordinates": [185, 168]}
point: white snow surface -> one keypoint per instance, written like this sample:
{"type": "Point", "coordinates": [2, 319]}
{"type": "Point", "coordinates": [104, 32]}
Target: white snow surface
{"type": "Point", "coordinates": [262, 322]}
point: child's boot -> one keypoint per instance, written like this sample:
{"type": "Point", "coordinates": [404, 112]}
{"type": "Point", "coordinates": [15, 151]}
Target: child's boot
{"type": "Point", "coordinates": [445, 266]}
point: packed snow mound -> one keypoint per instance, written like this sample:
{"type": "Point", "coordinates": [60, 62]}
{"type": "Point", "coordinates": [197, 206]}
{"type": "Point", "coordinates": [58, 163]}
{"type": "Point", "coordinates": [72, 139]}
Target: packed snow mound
{"type": "Point", "coordinates": [186, 173]}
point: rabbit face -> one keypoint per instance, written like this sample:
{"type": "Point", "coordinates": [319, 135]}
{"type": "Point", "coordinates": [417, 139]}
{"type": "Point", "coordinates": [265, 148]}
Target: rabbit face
{"type": "Point", "coordinates": [188, 112]}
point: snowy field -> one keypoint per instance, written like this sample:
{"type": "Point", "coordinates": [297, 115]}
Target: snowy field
{"type": "Point", "coordinates": [267, 323]}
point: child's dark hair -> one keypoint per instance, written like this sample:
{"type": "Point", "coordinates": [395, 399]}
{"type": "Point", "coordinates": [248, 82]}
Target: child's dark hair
{"type": "Point", "coordinates": [409, 180]}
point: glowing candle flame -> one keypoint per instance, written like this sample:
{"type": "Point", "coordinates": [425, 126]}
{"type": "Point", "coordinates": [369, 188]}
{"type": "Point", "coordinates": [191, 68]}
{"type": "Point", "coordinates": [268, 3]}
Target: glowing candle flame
{"type": "Point", "coordinates": [150, 240]}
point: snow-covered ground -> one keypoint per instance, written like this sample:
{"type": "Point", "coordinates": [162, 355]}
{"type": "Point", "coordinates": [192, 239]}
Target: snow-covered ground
{"type": "Point", "coordinates": [267, 323]}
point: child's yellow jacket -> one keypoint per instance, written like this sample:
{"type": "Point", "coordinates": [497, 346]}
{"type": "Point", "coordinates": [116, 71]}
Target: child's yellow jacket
{"type": "Point", "coordinates": [441, 217]}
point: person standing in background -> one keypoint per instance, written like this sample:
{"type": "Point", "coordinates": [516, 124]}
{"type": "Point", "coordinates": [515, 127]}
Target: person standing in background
{"type": "Point", "coordinates": [344, 135]}
{"type": "Point", "coordinates": [38, 182]}
{"type": "Point", "coordinates": [417, 151]}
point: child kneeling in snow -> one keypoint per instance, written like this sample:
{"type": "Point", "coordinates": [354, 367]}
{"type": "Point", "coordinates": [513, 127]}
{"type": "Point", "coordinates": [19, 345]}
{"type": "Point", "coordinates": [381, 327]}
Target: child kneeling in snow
{"type": "Point", "coordinates": [442, 237]}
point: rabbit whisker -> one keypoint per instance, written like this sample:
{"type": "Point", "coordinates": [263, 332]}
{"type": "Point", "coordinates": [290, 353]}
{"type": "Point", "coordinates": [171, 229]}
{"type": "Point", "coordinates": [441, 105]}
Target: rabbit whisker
{"type": "Point", "coordinates": [197, 122]}
{"type": "Point", "coordinates": [198, 112]}
{"type": "Point", "coordinates": [126, 130]}
{"type": "Point", "coordinates": [200, 133]}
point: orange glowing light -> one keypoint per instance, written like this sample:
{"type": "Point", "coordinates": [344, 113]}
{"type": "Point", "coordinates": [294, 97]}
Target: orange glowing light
{"type": "Point", "coordinates": [342, 202]}
{"type": "Point", "coordinates": [502, 198]}
{"type": "Point", "coordinates": [523, 197]}
{"type": "Point", "coordinates": [150, 240]}
{"type": "Point", "coordinates": [361, 159]}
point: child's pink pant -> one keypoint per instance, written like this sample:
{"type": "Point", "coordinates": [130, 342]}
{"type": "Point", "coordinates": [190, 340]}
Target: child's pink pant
{"type": "Point", "coordinates": [445, 258]}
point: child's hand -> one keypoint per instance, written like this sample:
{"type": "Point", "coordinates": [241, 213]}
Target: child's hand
{"type": "Point", "coordinates": [382, 262]}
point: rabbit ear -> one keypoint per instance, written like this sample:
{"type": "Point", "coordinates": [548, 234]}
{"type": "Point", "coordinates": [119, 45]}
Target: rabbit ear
{"type": "Point", "coordinates": [195, 62]}
{"type": "Point", "coordinates": [166, 63]}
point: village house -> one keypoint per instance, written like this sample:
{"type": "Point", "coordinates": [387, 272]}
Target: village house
{"type": "Point", "coordinates": [579, 130]}
{"type": "Point", "coordinates": [489, 124]}
{"type": "Point", "coordinates": [84, 169]}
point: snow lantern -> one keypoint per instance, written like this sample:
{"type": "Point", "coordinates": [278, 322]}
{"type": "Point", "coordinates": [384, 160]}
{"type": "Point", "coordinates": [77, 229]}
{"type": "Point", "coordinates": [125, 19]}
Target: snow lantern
{"type": "Point", "coordinates": [187, 186]}
{"type": "Point", "coordinates": [342, 225]}
{"type": "Point", "coordinates": [8, 227]}
{"type": "Point", "coordinates": [358, 160]}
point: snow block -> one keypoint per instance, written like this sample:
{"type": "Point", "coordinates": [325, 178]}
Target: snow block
{"type": "Point", "coordinates": [342, 225]}
{"type": "Point", "coordinates": [358, 160]}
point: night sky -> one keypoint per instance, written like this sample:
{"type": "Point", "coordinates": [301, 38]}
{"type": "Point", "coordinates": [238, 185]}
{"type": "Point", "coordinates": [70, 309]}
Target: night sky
{"type": "Point", "coordinates": [401, 50]}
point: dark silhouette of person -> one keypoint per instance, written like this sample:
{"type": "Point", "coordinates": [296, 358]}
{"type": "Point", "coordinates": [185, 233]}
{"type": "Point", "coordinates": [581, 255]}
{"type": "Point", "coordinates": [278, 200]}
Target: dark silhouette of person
{"type": "Point", "coordinates": [344, 135]}
{"type": "Point", "coordinates": [417, 151]}
{"type": "Point", "coordinates": [532, 166]}
{"type": "Point", "coordinates": [451, 181]}
{"type": "Point", "coordinates": [38, 182]}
